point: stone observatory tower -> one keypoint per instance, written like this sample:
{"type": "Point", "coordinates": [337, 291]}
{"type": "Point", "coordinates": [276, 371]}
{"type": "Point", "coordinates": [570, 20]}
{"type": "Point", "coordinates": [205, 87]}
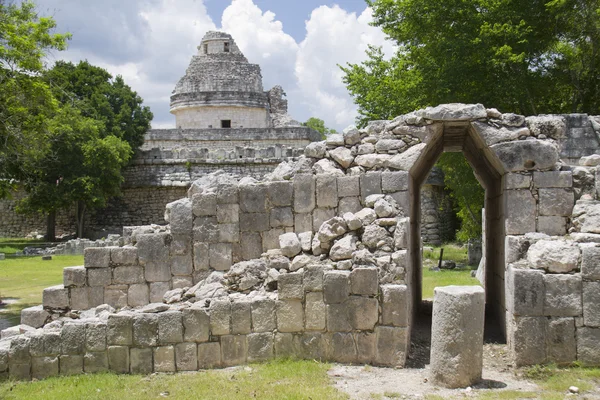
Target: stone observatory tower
{"type": "Point", "coordinates": [220, 89]}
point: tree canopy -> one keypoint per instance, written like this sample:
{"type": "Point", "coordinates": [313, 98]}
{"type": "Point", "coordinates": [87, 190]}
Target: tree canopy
{"type": "Point", "coordinates": [318, 125]}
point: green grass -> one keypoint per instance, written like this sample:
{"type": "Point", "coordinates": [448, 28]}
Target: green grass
{"type": "Point", "coordinates": [10, 246]}
{"type": "Point", "coordinates": [278, 379]}
{"type": "Point", "coordinates": [24, 279]}
{"type": "Point", "coordinates": [458, 276]}
{"type": "Point", "coordinates": [558, 379]}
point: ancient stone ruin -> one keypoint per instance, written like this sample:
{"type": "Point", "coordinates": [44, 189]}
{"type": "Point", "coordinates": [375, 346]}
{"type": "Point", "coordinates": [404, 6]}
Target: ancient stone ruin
{"type": "Point", "coordinates": [322, 258]}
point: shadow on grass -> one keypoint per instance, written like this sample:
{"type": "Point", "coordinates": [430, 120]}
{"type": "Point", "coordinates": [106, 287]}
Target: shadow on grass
{"type": "Point", "coordinates": [10, 312]}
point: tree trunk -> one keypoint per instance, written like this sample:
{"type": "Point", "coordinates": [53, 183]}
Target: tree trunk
{"type": "Point", "coordinates": [51, 227]}
{"type": "Point", "coordinates": [80, 215]}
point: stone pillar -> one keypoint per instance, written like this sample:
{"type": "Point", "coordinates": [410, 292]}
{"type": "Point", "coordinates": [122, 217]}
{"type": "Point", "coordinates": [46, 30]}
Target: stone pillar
{"type": "Point", "coordinates": [457, 335]}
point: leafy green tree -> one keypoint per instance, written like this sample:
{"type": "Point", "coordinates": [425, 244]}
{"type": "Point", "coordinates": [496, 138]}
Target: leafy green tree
{"type": "Point", "coordinates": [318, 125]}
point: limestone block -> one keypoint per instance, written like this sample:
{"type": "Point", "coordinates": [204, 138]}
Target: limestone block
{"type": "Point", "coordinates": [563, 295]}
{"type": "Point", "coordinates": [179, 216]}
{"type": "Point", "coordinates": [310, 346]}
{"type": "Point", "coordinates": [70, 364]}
{"type": "Point", "coordinates": [590, 262]}
{"type": "Point", "coordinates": [289, 286]}
{"type": "Point", "coordinates": [343, 248]}
{"type": "Point", "coordinates": [321, 215]}
{"type": "Point", "coordinates": [394, 305]}
{"type": "Point", "coordinates": [201, 257]}
{"type": "Point", "coordinates": [96, 257]}
{"type": "Point", "coordinates": [561, 347]}
{"type": "Point", "coordinates": [254, 222]}
{"type": "Point", "coordinates": [553, 179]}
{"type": "Point", "coordinates": [56, 297]}
{"type": "Point", "coordinates": [315, 150]}
{"type": "Point", "coordinates": [228, 213]}
{"type": "Point", "coordinates": [170, 327]}
{"type": "Point", "coordinates": [336, 286]}
{"type": "Point", "coordinates": [206, 230]}
{"type": "Point", "coordinates": [343, 348]}
{"type": "Point", "coordinates": [457, 335]}
{"type": "Point", "coordinates": [364, 281]}
{"type": "Point", "coordinates": [209, 355]}
{"type": "Point", "coordinates": [196, 323]}
{"type": "Point", "coordinates": [119, 329]}
{"type": "Point", "coordinates": [220, 256]}
{"type": "Point", "coordinates": [342, 156]}
{"type": "Point", "coordinates": [316, 311]}
{"type": "Point", "coordinates": [158, 290]}
{"type": "Point", "coordinates": [588, 351]}
{"type": "Point", "coordinates": [141, 361]}
{"type": "Point", "coordinates": [556, 202]}
{"type": "Point", "coordinates": [290, 316]}
{"type": "Point", "coordinates": [520, 212]}
{"type": "Point", "coordinates": [227, 193]}
{"type": "Point", "coordinates": [327, 192]}
{"type": "Point", "coordinates": [4, 350]}
{"type": "Point", "coordinates": [349, 205]}
{"type": "Point", "coordinates": [181, 245]}
{"type": "Point", "coordinates": [263, 315]}
{"type": "Point", "coordinates": [280, 193]}
{"type": "Point", "coordinates": [526, 291]}
{"type": "Point", "coordinates": [128, 275]}
{"type": "Point", "coordinates": [260, 346]}
{"type": "Point", "coordinates": [234, 350]}
{"type": "Point", "coordinates": [251, 245]}
{"type": "Point", "coordinates": [394, 181]}
{"type": "Point", "coordinates": [270, 239]}
{"type": "Point", "coordinates": [181, 265]}
{"type": "Point", "coordinates": [523, 155]}
{"type": "Point", "coordinates": [370, 183]}
{"type": "Point", "coordinates": [35, 316]}
{"type": "Point", "coordinates": [44, 367]}
{"type": "Point", "coordinates": [339, 318]}
{"type": "Point", "coordinates": [99, 277]}
{"type": "Point", "coordinates": [127, 255]}
{"type": "Point", "coordinates": [281, 217]}
{"type": "Point", "coordinates": [204, 204]}
{"type": "Point", "coordinates": [95, 296]}
{"type": "Point", "coordinates": [552, 225]}
{"type": "Point", "coordinates": [220, 317]}
{"type": "Point", "coordinates": [253, 198]}
{"type": "Point", "coordinates": [94, 362]}
{"type": "Point", "coordinates": [366, 347]}
{"type": "Point", "coordinates": [392, 346]}
{"type": "Point", "coordinates": [19, 372]}
{"type": "Point", "coordinates": [80, 298]}
{"type": "Point", "coordinates": [363, 312]}
{"type": "Point", "coordinates": [115, 296]}
{"type": "Point", "coordinates": [517, 180]}
{"type": "Point", "coordinates": [186, 356]}
{"type": "Point", "coordinates": [241, 317]}
{"type": "Point", "coordinates": [591, 304]}
{"type": "Point", "coordinates": [164, 359]}
{"type": "Point", "coordinates": [554, 256]}
{"type": "Point", "coordinates": [145, 330]}
{"type": "Point", "coordinates": [74, 276]}
{"type": "Point", "coordinates": [18, 352]}
{"type": "Point", "coordinates": [304, 193]}
{"type": "Point", "coordinates": [348, 186]}
{"type": "Point", "coordinates": [118, 359]}
{"type": "Point", "coordinates": [138, 295]}
{"type": "Point", "coordinates": [95, 336]}
{"type": "Point", "coordinates": [313, 278]}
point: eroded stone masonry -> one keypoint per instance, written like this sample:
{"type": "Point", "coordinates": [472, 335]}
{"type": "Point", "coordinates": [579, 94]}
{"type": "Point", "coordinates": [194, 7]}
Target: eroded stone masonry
{"type": "Point", "coordinates": [321, 258]}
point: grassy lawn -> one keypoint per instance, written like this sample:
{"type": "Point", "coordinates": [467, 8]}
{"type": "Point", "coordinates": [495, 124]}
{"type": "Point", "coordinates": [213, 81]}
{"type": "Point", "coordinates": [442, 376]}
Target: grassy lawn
{"type": "Point", "coordinates": [458, 276]}
{"type": "Point", "coordinates": [24, 279]}
{"type": "Point", "coordinates": [10, 246]}
{"type": "Point", "coordinates": [278, 379]}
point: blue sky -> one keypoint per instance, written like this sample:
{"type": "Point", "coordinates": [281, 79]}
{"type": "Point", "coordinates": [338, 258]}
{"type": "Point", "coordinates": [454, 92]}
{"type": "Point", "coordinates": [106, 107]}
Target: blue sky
{"type": "Point", "coordinates": [298, 45]}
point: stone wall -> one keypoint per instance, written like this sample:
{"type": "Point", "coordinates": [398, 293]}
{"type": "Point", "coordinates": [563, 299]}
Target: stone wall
{"type": "Point", "coordinates": [211, 117]}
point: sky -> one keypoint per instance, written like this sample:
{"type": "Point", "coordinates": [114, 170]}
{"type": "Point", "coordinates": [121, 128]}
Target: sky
{"type": "Point", "coordinates": [297, 43]}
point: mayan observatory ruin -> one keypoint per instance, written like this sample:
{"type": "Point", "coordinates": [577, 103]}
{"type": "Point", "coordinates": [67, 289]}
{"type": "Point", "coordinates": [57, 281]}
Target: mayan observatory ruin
{"type": "Point", "coordinates": [275, 243]}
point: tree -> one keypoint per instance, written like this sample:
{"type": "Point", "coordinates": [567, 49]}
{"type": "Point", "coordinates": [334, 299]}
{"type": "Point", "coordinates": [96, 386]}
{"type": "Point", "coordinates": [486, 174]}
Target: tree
{"type": "Point", "coordinates": [318, 125]}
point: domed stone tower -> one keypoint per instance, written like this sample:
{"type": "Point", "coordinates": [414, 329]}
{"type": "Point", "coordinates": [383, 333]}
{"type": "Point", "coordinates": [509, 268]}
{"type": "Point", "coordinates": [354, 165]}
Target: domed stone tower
{"type": "Point", "coordinates": [220, 89]}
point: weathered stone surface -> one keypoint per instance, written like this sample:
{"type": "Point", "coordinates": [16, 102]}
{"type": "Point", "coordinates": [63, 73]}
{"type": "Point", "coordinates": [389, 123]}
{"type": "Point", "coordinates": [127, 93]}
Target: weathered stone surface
{"type": "Point", "coordinates": [44, 367]}
{"type": "Point", "coordinates": [553, 179]}
{"type": "Point", "coordinates": [587, 216]}
{"type": "Point", "coordinates": [590, 262]}
{"type": "Point", "coordinates": [313, 278]}
{"type": "Point", "coordinates": [220, 317]}
{"type": "Point", "coordinates": [95, 336]}
{"type": "Point", "coordinates": [157, 291]}
{"type": "Point", "coordinates": [453, 112]}
{"type": "Point", "coordinates": [554, 256]}
{"type": "Point", "coordinates": [588, 351]}
{"type": "Point", "coordinates": [253, 198]}
{"type": "Point", "coordinates": [404, 161]}
{"type": "Point", "coordinates": [315, 310]}
{"type": "Point", "coordinates": [523, 155]}
{"type": "Point", "coordinates": [310, 346]}
{"type": "Point", "coordinates": [349, 205]}
{"type": "Point", "coordinates": [394, 305]}
{"type": "Point", "coordinates": [315, 150]}
{"type": "Point", "coordinates": [364, 281]}
{"type": "Point", "coordinates": [363, 312]}
{"type": "Point", "coordinates": [457, 335]}
{"type": "Point", "coordinates": [260, 346]}
{"type": "Point", "coordinates": [394, 181]}
{"type": "Point", "coordinates": [263, 315]}
{"type": "Point", "coordinates": [204, 204]}
{"type": "Point", "coordinates": [141, 361]}
{"type": "Point", "coordinates": [561, 347]}
{"type": "Point", "coordinates": [289, 244]}
{"type": "Point", "coordinates": [74, 276]}
{"type": "Point", "coordinates": [343, 248]}
{"type": "Point", "coordinates": [118, 359]}
{"type": "Point", "coordinates": [179, 216]}
{"type": "Point", "coordinates": [304, 193]}
{"type": "Point", "coordinates": [552, 126]}
{"type": "Point", "coordinates": [70, 364]}
{"type": "Point", "coordinates": [170, 327]}
{"type": "Point", "coordinates": [280, 193]}
{"type": "Point", "coordinates": [492, 135]}
{"type": "Point", "coordinates": [327, 193]}
{"type": "Point", "coordinates": [127, 255]}
{"type": "Point", "coordinates": [348, 186]}
{"type": "Point", "coordinates": [116, 296]}
{"type": "Point", "coordinates": [370, 183]}
{"type": "Point", "coordinates": [366, 347]}
{"type": "Point", "coordinates": [119, 329]}
{"type": "Point", "coordinates": [372, 160]}
{"type": "Point", "coordinates": [241, 317]}
{"type": "Point", "coordinates": [138, 295]}
{"type": "Point", "coordinates": [290, 286]}
{"type": "Point", "coordinates": [529, 340]}
{"type": "Point", "coordinates": [234, 349]}
{"type": "Point", "coordinates": [591, 304]}
{"type": "Point", "coordinates": [145, 330]}
{"type": "Point", "coordinates": [336, 286]}
{"type": "Point", "coordinates": [254, 222]}
{"type": "Point", "coordinates": [552, 225]}
{"type": "Point", "coordinates": [209, 355]}
{"type": "Point", "coordinates": [556, 202]}
{"type": "Point", "coordinates": [563, 295]}
{"type": "Point", "coordinates": [392, 346]}
{"type": "Point", "coordinates": [332, 229]}
{"type": "Point", "coordinates": [196, 324]}
{"type": "Point", "coordinates": [281, 217]}
{"type": "Point", "coordinates": [351, 135]}
{"type": "Point", "coordinates": [56, 297]}
{"type": "Point", "coordinates": [342, 156]}
{"type": "Point", "coordinates": [520, 212]}
{"type": "Point", "coordinates": [35, 316]}
{"type": "Point", "coordinates": [290, 316]}
{"type": "Point", "coordinates": [94, 362]}
{"type": "Point", "coordinates": [339, 318]}
{"type": "Point", "coordinates": [373, 235]}
{"type": "Point", "coordinates": [220, 256]}
{"type": "Point", "coordinates": [186, 358]}
{"type": "Point", "coordinates": [96, 257]}
{"type": "Point", "coordinates": [343, 347]}
{"type": "Point", "coordinates": [517, 180]}
{"type": "Point", "coordinates": [164, 359]}
{"type": "Point", "coordinates": [526, 291]}
{"type": "Point", "coordinates": [128, 275]}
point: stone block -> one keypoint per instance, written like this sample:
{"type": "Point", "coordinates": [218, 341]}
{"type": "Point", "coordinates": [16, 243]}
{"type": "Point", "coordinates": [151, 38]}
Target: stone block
{"type": "Point", "coordinates": [141, 361]}
{"type": "Point", "coordinates": [338, 318]}
{"type": "Point", "coordinates": [18, 352]}
{"type": "Point", "coordinates": [253, 198]}
{"type": "Point", "coordinates": [370, 183]}
{"type": "Point", "coordinates": [394, 181]}
{"type": "Point", "coordinates": [281, 217]}
{"type": "Point", "coordinates": [553, 179]}
{"type": "Point", "coordinates": [241, 317]}
{"type": "Point", "coordinates": [394, 305]}
{"type": "Point", "coordinates": [70, 364]}
{"type": "Point", "coordinates": [263, 315]}
{"type": "Point", "coordinates": [229, 233]}
{"type": "Point", "coordinates": [303, 223]}
{"type": "Point", "coordinates": [590, 263]}
{"type": "Point", "coordinates": [316, 312]}
{"type": "Point", "coordinates": [363, 312]}
{"type": "Point", "coordinates": [95, 296]}
{"type": "Point", "coordinates": [35, 316]}
{"type": "Point", "coordinates": [349, 205]}
{"type": "Point", "coordinates": [118, 359]}
{"type": "Point", "coordinates": [181, 265]}
{"type": "Point", "coordinates": [251, 245]}
{"type": "Point", "coordinates": [96, 257]}
{"type": "Point", "coordinates": [128, 275]}
{"type": "Point", "coordinates": [517, 181]}
{"type": "Point", "coordinates": [42, 343]}
{"type": "Point", "coordinates": [94, 362]}
{"type": "Point", "coordinates": [310, 346]}
{"type": "Point", "coordinates": [270, 239]}
{"type": "Point", "coordinates": [119, 329]}
{"type": "Point", "coordinates": [164, 359]}
{"type": "Point", "coordinates": [556, 202]}
{"type": "Point", "coordinates": [343, 348]}
{"type": "Point", "coordinates": [321, 215]}
{"type": "Point", "coordinates": [391, 346]}
{"type": "Point", "coordinates": [145, 330]}
{"type": "Point", "coordinates": [227, 193]}
{"type": "Point", "coordinates": [588, 351]}
{"type": "Point", "coordinates": [127, 255]}
{"type": "Point", "coordinates": [220, 317]}
{"type": "Point", "coordinates": [526, 288]}
{"type": "Point", "coordinates": [289, 286]}
{"type": "Point", "coordinates": [366, 347]}
{"type": "Point", "coordinates": [364, 281]}
{"type": "Point", "coordinates": [196, 323]}
{"type": "Point", "coordinates": [563, 295]}
{"type": "Point", "coordinates": [260, 346]}
{"type": "Point", "coordinates": [326, 189]}
{"type": "Point", "coordinates": [254, 222]}
{"type": "Point", "coordinates": [138, 295]}
{"type": "Point", "coordinates": [348, 186]}
{"type": "Point", "coordinates": [204, 204]}
{"type": "Point", "coordinates": [201, 257]}
{"type": "Point", "coordinates": [523, 155]}
{"type": "Point", "coordinates": [458, 313]}
{"type": "Point", "coordinates": [115, 296]}
{"type": "Point", "coordinates": [591, 304]}
{"type": "Point", "coordinates": [56, 297]}
{"type": "Point", "coordinates": [556, 256]}
{"type": "Point", "coordinates": [336, 286]}
{"type": "Point", "coordinates": [561, 346]}
{"type": "Point", "coordinates": [158, 290]}
{"type": "Point", "coordinates": [313, 278]}
{"type": "Point", "coordinates": [157, 271]}
{"type": "Point", "coordinates": [99, 277]}
{"type": "Point", "coordinates": [206, 230]}
{"type": "Point", "coordinates": [552, 225]}
{"type": "Point", "coordinates": [181, 245]}
{"type": "Point", "coordinates": [284, 345]}
{"type": "Point", "coordinates": [170, 327]}
{"type": "Point", "coordinates": [520, 212]}
{"type": "Point", "coordinates": [71, 338]}
{"type": "Point", "coordinates": [80, 298]}
{"type": "Point", "coordinates": [304, 193]}
{"type": "Point", "coordinates": [20, 372]}
{"type": "Point", "coordinates": [44, 367]}
{"type": "Point", "coordinates": [152, 248]}
{"type": "Point", "coordinates": [234, 350]}
{"type": "Point", "coordinates": [280, 193]}
{"type": "Point", "coordinates": [290, 316]}
{"type": "Point", "coordinates": [186, 357]}
{"type": "Point", "coordinates": [228, 213]}
{"type": "Point", "coordinates": [220, 256]}
{"type": "Point", "coordinates": [179, 216]}
{"type": "Point", "coordinates": [529, 340]}
{"type": "Point", "coordinates": [74, 277]}
{"type": "Point", "coordinates": [209, 355]}
{"type": "Point", "coordinates": [95, 336]}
